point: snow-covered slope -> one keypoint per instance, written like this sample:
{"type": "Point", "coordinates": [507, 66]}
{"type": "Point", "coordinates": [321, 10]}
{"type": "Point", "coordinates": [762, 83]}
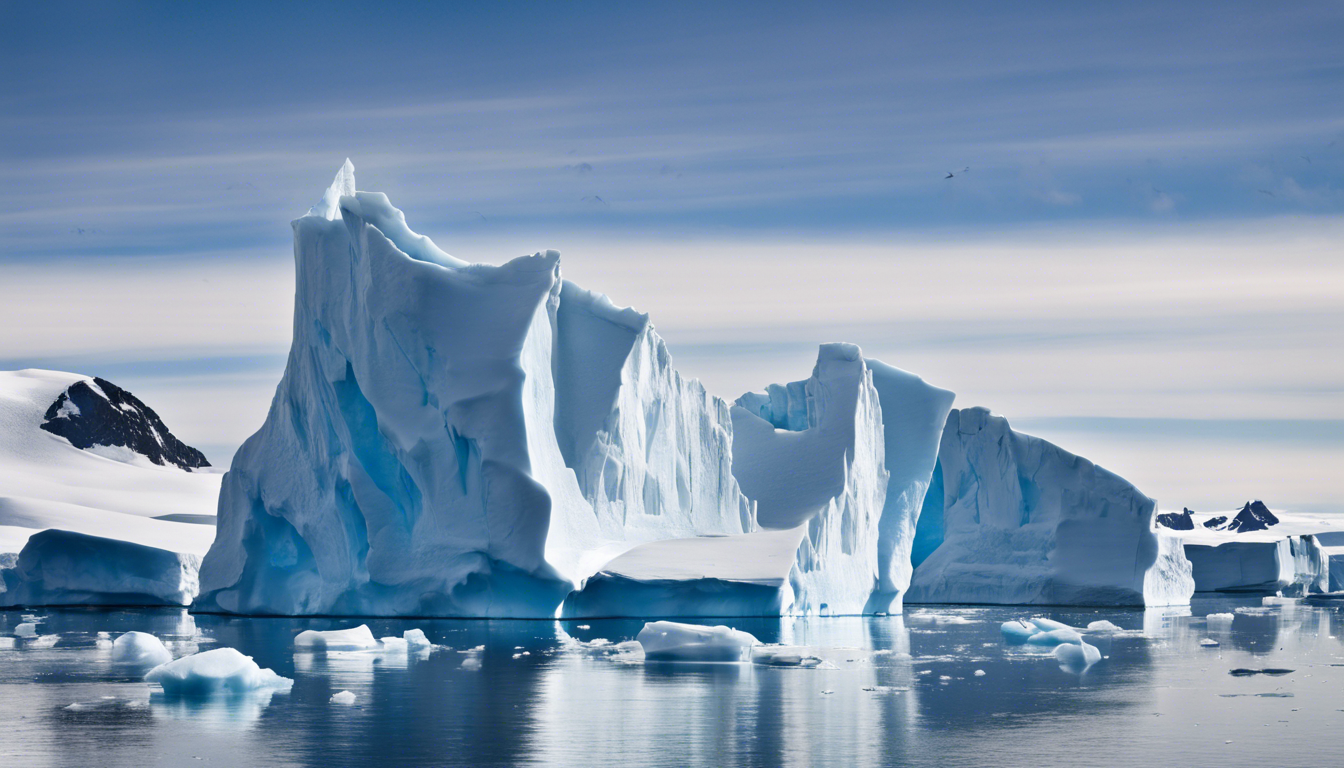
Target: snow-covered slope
{"type": "Point", "coordinates": [1013, 519]}
{"type": "Point", "coordinates": [108, 489]}
{"type": "Point", "coordinates": [452, 439]}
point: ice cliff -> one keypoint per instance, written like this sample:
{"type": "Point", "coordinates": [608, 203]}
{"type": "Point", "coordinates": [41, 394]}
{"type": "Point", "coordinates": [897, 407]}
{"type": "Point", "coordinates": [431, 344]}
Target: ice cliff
{"type": "Point", "coordinates": [457, 439]}
{"type": "Point", "coordinates": [1013, 519]}
{"type": "Point", "coordinates": [836, 466]}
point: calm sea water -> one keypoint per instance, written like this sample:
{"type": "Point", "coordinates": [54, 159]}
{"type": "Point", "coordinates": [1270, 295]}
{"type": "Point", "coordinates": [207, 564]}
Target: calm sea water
{"type": "Point", "coordinates": [903, 691]}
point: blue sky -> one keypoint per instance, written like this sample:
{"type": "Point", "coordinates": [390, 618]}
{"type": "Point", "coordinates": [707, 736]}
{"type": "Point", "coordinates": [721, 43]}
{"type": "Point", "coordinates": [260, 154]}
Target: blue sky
{"type": "Point", "coordinates": [1143, 225]}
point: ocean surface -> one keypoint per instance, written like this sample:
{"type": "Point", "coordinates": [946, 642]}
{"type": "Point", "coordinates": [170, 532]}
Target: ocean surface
{"type": "Point", "coordinates": [901, 691]}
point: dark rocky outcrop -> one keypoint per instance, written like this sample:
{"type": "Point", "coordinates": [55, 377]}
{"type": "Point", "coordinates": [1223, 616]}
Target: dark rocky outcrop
{"type": "Point", "coordinates": [1215, 522]}
{"type": "Point", "coordinates": [1177, 521]}
{"type": "Point", "coordinates": [98, 412]}
{"type": "Point", "coordinates": [1255, 516]}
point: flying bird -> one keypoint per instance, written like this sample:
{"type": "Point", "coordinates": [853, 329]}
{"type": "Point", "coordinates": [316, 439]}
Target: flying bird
{"type": "Point", "coordinates": [948, 176]}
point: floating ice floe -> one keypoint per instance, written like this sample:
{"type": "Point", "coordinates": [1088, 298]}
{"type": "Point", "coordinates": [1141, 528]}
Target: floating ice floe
{"type": "Point", "coordinates": [26, 629]}
{"type": "Point", "coordinates": [140, 648]}
{"type": "Point", "coordinates": [221, 671]}
{"type": "Point", "coordinates": [44, 641]}
{"type": "Point", "coordinates": [783, 656]}
{"type": "Point", "coordinates": [353, 639]}
{"type": "Point", "coordinates": [1048, 632]}
{"type": "Point", "coordinates": [1219, 618]}
{"type": "Point", "coordinates": [1209, 642]}
{"type": "Point", "coordinates": [107, 704]}
{"type": "Point", "coordinates": [1077, 657]}
{"type": "Point", "coordinates": [671, 641]}
{"type": "Point", "coordinates": [344, 697]}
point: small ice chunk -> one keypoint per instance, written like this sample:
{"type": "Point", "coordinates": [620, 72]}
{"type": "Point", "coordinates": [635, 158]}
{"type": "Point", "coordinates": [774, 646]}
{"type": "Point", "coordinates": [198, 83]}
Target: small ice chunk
{"type": "Point", "coordinates": [672, 641]}
{"type": "Point", "coordinates": [1077, 657]}
{"type": "Point", "coordinates": [471, 663]}
{"type": "Point", "coordinates": [1219, 618]}
{"type": "Point", "coordinates": [1279, 600]}
{"type": "Point", "coordinates": [220, 671]}
{"type": "Point", "coordinates": [783, 656]}
{"type": "Point", "coordinates": [353, 639]}
{"type": "Point", "coordinates": [415, 639]}
{"type": "Point", "coordinates": [26, 629]}
{"type": "Point", "coordinates": [43, 641]}
{"type": "Point", "coordinates": [979, 673]}
{"type": "Point", "coordinates": [1208, 642]}
{"type": "Point", "coordinates": [344, 697]}
{"type": "Point", "coordinates": [140, 648]}
{"type": "Point", "coordinates": [1049, 625]}
{"type": "Point", "coordinates": [1056, 637]}
{"type": "Point", "coordinates": [104, 635]}
{"type": "Point", "coordinates": [583, 626]}
{"type": "Point", "coordinates": [107, 704]}
{"type": "Point", "coordinates": [1017, 631]}
{"type": "Point", "coordinates": [7, 643]}
{"type": "Point", "coordinates": [1103, 626]}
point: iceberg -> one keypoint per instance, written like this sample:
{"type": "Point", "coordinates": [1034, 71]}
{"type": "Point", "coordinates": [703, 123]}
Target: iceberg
{"type": "Point", "coordinates": [140, 648]}
{"type": "Point", "coordinates": [454, 439]}
{"type": "Point", "coordinates": [354, 639]}
{"type": "Point", "coordinates": [1077, 657]}
{"type": "Point", "coordinates": [66, 568]}
{"type": "Point", "coordinates": [1290, 564]}
{"type": "Point", "coordinates": [671, 641]}
{"type": "Point", "coordinates": [1013, 519]}
{"type": "Point", "coordinates": [344, 697]}
{"type": "Point", "coordinates": [835, 467]}
{"type": "Point", "coordinates": [223, 671]}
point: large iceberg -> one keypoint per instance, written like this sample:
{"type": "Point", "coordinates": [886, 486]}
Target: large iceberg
{"type": "Point", "coordinates": [836, 466]}
{"type": "Point", "coordinates": [1013, 519]}
{"type": "Point", "coordinates": [455, 439]}
{"type": "Point", "coordinates": [65, 568]}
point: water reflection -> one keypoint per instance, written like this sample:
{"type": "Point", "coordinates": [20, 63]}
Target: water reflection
{"type": "Point", "coordinates": [892, 691]}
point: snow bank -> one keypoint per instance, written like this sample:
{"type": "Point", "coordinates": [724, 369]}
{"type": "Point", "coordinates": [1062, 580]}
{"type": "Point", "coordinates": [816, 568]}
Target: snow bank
{"type": "Point", "coordinates": [454, 439]}
{"type": "Point", "coordinates": [354, 639]}
{"type": "Point", "coordinates": [140, 648]}
{"type": "Point", "coordinates": [66, 568]}
{"type": "Point", "coordinates": [218, 672]}
{"type": "Point", "coordinates": [670, 641]}
{"type": "Point", "coordinates": [1013, 519]}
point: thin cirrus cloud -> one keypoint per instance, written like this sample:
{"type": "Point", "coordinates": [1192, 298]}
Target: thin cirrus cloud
{"type": "Point", "coordinates": [1141, 222]}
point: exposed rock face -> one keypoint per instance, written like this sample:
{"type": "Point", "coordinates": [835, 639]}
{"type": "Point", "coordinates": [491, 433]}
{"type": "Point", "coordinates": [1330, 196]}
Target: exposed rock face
{"type": "Point", "coordinates": [1215, 522]}
{"type": "Point", "coordinates": [1255, 516]}
{"type": "Point", "coordinates": [1177, 521]}
{"type": "Point", "coordinates": [94, 413]}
